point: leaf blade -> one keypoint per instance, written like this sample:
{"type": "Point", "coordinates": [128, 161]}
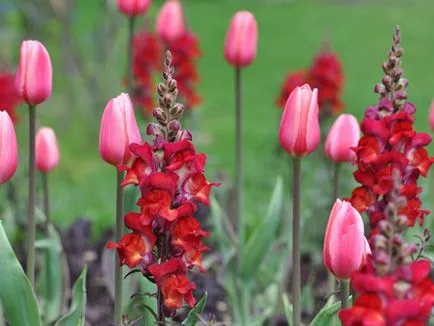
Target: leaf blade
{"type": "Point", "coordinates": [19, 309]}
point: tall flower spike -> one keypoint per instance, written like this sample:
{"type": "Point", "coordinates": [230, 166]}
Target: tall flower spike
{"type": "Point", "coordinates": [393, 288]}
{"type": "Point", "coordinates": [166, 240]}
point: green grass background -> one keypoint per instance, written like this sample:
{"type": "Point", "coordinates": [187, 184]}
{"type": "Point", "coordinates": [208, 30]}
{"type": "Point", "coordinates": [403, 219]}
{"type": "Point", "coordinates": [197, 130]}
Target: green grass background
{"type": "Point", "coordinates": [290, 33]}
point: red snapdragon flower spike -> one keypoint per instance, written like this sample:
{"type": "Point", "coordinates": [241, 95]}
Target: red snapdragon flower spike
{"type": "Point", "coordinates": [292, 80]}
{"type": "Point", "coordinates": [342, 137]}
{"type": "Point", "coordinates": [118, 130]}
{"type": "Point", "coordinates": [8, 148]}
{"type": "Point", "coordinates": [241, 40]}
{"type": "Point", "coordinates": [175, 286]}
{"type": "Point", "coordinates": [170, 21]}
{"type": "Point", "coordinates": [132, 249]}
{"type": "Point", "coordinates": [392, 288]}
{"type": "Point", "coordinates": [133, 7]}
{"type": "Point", "coordinates": [9, 99]}
{"type": "Point", "coordinates": [299, 132]}
{"type": "Point", "coordinates": [326, 75]}
{"type": "Point", "coordinates": [166, 239]}
{"type": "Point", "coordinates": [345, 246]}
{"type": "Point", "coordinates": [33, 80]}
{"type": "Point", "coordinates": [47, 152]}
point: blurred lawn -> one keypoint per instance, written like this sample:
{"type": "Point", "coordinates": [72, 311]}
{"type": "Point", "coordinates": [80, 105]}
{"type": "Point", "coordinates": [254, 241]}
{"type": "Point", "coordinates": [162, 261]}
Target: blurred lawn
{"type": "Point", "coordinates": [291, 32]}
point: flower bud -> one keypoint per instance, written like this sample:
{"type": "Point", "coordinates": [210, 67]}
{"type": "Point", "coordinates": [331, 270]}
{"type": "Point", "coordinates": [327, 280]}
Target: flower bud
{"type": "Point", "coordinates": [47, 152]}
{"type": "Point", "coordinates": [241, 40]}
{"type": "Point", "coordinates": [345, 246]}
{"type": "Point", "coordinates": [133, 7]}
{"type": "Point", "coordinates": [343, 135]}
{"type": "Point", "coordinates": [170, 21]}
{"type": "Point", "coordinates": [118, 130]}
{"type": "Point", "coordinates": [299, 132]}
{"type": "Point", "coordinates": [8, 148]}
{"type": "Point", "coordinates": [33, 80]}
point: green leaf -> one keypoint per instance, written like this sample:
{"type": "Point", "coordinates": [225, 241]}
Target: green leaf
{"type": "Point", "coordinates": [259, 243]}
{"type": "Point", "coordinates": [193, 315]}
{"type": "Point", "coordinates": [75, 316]}
{"type": "Point", "coordinates": [327, 315]}
{"type": "Point", "coordinates": [287, 307]}
{"type": "Point", "coordinates": [16, 294]}
{"type": "Point", "coordinates": [53, 276]}
{"type": "Point", "coordinates": [143, 304]}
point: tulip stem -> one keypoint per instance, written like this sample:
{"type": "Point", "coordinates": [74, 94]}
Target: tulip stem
{"type": "Point", "coordinates": [118, 235]}
{"type": "Point", "coordinates": [31, 224]}
{"type": "Point", "coordinates": [331, 284]}
{"type": "Point", "coordinates": [296, 278]}
{"type": "Point", "coordinates": [131, 22]}
{"type": "Point", "coordinates": [345, 293]}
{"type": "Point", "coordinates": [239, 159]}
{"type": "Point", "coordinates": [46, 200]}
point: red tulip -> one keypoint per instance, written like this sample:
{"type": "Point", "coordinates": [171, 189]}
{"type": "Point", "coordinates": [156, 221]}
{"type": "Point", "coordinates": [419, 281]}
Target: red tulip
{"type": "Point", "coordinates": [133, 7]}
{"type": "Point", "coordinates": [343, 135]}
{"type": "Point", "coordinates": [118, 130]}
{"type": "Point", "coordinates": [8, 148]}
{"type": "Point", "coordinates": [33, 80]}
{"type": "Point", "coordinates": [431, 116]}
{"type": "Point", "coordinates": [47, 152]}
{"type": "Point", "coordinates": [241, 39]}
{"type": "Point", "coordinates": [299, 132]}
{"type": "Point", "coordinates": [345, 246]}
{"type": "Point", "coordinates": [170, 21]}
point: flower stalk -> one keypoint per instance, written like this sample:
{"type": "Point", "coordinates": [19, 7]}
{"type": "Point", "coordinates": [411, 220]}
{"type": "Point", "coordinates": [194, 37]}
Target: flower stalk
{"type": "Point", "coordinates": [296, 255]}
{"type": "Point", "coordinates": [31, 223]}
{"type": "Point", "coordinates": [118, 235]}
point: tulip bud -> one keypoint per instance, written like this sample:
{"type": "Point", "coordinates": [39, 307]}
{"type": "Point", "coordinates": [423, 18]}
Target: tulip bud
{"type": "Point", "coordinates": [241, 40]}
{"type": "Point", "coordinates": [8, 148]}
{"type": "Point", "coordinates": [299, 133]}
{"type": "Point", "coordinates": [118, 130]}
{"type": "Point", "coordinates": [133, 7]}
{"type": "Point", "coordinates": [343, 135]}
{"type": "Point", "coordinates": [34, 75]}
{"type": "Point", "coordinates": [47, 153]}
{"type": "Point", "coordinates": [431, 116]}
{"type": "Point", "coordinates": [345, 246]}
{"type": "Point", "coordinates": [170, 21]}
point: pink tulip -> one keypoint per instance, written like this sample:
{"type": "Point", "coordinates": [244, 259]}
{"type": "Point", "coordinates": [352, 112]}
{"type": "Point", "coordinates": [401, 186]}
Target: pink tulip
{"type": "Point", "coordinates": [241, 39]}
{"type": "Point", "coordinates": [345, 246]}
{"type": "Point", "coordinates": [170, 21]}
{"type": "Point", "coordinates": [299, 133]}
{"type": "Point", "coordinates": [133, 7]}
{"type": "Point", "coordinates": [34, 75]}
{"type": "Point", "coordinates": [343, 135]}
{"type": "Point", "coordinates": [431, 116]}
{"type": "Point", "coordinates": [118, 130]}
{"type": "Point", "coordinates": [8, 148]}
{"type": "Point", "coordinates": [47, 152]}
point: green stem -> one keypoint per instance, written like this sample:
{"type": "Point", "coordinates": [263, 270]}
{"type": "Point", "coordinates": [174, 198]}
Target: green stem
{"type": "Point", "coordinates": [345, 293]}
{"type": "Point", "coordinates": [331, 283]}
{"type": "Point", "coordinates": [131, 22]}
{"type": "Point", "coordinates": [31, 224]}
{"type": "Point", "coordinates": [296, 255]}
{"type": "Point", "coordinates": [46, 201]}
{"type": "Point", "coordinates": [118, 235]}
{"type": "Point", "coordinates": [239, 160]}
